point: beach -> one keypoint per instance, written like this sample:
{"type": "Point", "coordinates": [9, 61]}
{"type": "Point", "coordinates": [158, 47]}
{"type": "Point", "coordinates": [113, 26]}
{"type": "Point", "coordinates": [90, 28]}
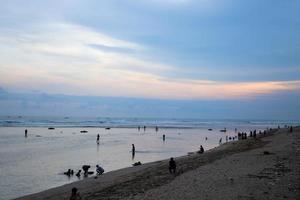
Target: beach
{"type": "Point", "coordinates": [261, 168]}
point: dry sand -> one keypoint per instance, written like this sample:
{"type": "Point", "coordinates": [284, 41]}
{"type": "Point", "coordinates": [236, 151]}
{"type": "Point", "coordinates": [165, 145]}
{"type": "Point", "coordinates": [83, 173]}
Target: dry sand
{"type": "Point", "coordinates": [236, 170]}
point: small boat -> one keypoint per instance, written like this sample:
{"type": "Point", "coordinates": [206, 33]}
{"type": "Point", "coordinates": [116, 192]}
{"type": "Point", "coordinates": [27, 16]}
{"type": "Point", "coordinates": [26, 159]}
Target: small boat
{"type": "Point", "coordinates": [210, 129]}
{"type": "Point", "coordinates": [51, 128]}
{"type": "Point", "coordinates": [107, 128]}
{"type": "Point", "coordinates": [84, 131]}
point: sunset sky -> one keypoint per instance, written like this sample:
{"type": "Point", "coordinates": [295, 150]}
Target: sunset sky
{"type": "Point", "coordinates": [186, 50]}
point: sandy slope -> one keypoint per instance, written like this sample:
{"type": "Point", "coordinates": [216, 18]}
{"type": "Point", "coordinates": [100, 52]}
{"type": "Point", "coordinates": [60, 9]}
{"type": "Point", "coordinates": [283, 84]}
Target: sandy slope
{"type": "Point", "coordinates": [238, 170]}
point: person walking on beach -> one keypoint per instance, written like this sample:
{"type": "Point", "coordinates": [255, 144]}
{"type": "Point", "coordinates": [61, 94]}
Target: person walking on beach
{"type": "Point", "coordinates": [172, 166]}
{"type": "Point", "coordinates": [98, 138]}
{"type": "Point", "coordinates": [25, 132]}
{"type": "Point", "coordinates": [75, 195]}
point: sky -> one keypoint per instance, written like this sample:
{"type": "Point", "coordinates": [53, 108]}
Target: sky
{"type": "Point", "coordinates": [183, 53]}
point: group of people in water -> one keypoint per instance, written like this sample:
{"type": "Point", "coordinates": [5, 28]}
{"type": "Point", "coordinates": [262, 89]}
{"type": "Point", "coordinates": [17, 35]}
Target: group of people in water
{"type": "Point", "coordinates": [86, 172]}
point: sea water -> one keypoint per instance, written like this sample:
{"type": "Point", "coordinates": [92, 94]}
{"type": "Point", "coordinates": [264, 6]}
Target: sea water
{"type": "Point", "coordinates": [37, 162]}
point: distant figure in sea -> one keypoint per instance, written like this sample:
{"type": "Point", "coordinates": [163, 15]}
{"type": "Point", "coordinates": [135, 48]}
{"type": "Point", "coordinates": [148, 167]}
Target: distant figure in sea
{"type": "Point", "coordinates": [291, 129]}
{"type": "Point", "coordinates": [164, 137]}
{"type": "Point", "coordinates": [172, 166]}
{"type": "Point", "coordinates": [132, 152]}
{"type": "Point", "coordinates": [144, 128]}
{"type": "Point", "coordinates": [98, 138]}
{"type": "Point", "coordinates": [75, 195]}
{"type": "Point", "coordinates": [139, 128]}
{"type": "Point", "coordinates": [99, 170]}
{"type": "Point", "coordinates": [235, 130]}
{"type": "Point", "coordinates": [220, 141]}
{"type": "Point", "coordinates": [156, 128]}
{"type": "Point", "coordinates": [201, 149]}
{"type": "Point", "coordinates": [133, 149]}
{"type": "Point", "coordinates": [25, 132]}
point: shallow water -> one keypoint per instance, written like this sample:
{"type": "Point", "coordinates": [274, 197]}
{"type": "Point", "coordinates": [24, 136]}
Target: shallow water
{"type": "Point", "coordinates": [36, 163]}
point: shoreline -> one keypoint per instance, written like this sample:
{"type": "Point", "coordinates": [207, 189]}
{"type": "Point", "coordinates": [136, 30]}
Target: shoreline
{"type": "Point", "coordinates": [140, 180]}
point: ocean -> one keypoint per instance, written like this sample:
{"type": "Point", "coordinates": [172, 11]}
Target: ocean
{"type": "Point", "coordinates": [37, 162]}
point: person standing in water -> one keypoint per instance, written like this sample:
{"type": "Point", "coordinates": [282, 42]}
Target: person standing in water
{"type": "Point", "coordinates": [164, 137]}
{"type": "Point", "coordinates": [133, 152]}
{"type": "Point", "coordinates": [156, 129]}
{"type": "Point", "coordinates": [98, 139]}
{"type": "Point", "coordinates": [25, 132]}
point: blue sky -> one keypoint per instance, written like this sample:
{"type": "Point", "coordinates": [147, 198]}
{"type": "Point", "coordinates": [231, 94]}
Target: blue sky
{"type": "Point", "coordinates": [199, 50]}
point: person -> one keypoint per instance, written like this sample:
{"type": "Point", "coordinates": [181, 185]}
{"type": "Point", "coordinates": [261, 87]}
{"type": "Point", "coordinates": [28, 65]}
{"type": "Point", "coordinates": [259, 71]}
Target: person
{"type": "Point", "coordinates": [220, 141]}
{"type": "Point", "coordinates": [201, 149]}
{"type": "Point", "coordinates": [164, 137]}
{"type": "Point", "coordinates": [172, 166]}
{"type": "Point", "coordinates": [75, 195]}
{"type": "Point", "coordinates": [86, 169]}
{"type": "Point", "coordinates": [291, 129]}
{"type": "Point", "coordinates": [98, 138]}
{"type": "Point", "coordinates": [25, 132]}
{"type": "Point", "coordinates": [139, 128]}
{"type": "Point", "coordinates": [78, 173]}
{"type": "Point", "coordinates": [69, 172]}
{"type": "Point", "coordinates": [99, 170]}
{"type": "Point", "coordinates": [156, 128]}
{"type": "Point", "coordinates": [144, 128]}
{"type": "Point", "coordinates": [133, 149]}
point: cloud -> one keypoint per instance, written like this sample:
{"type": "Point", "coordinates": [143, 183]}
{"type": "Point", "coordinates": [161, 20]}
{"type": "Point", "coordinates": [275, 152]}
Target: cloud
{"type": "Point", "coordinates": [71, 59]}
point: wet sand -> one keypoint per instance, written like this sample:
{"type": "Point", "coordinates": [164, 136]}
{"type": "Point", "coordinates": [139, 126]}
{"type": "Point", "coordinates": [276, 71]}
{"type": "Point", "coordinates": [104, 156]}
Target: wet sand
{"type": "Point", "coordinates": [236, 170]}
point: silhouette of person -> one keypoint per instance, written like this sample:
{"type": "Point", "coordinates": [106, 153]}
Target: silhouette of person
{"type": "Point", "coordinates": [164, 137]}
{"type": "Point", "coordinates": [78, 173]}
{"type": "Point", "coordinates": [144, 128]}
{"type": "Point", "coordinates": [86, 169]}
{"type": "Point", "coordinates": [156, 128]}
{"type": "Point", "coordinates": [201, 149]}
{"type": "Point", "coordinates": [172, 166]}
{"type": "Point", "coordinates": [139, 128]}
{"type": "Point", "coordinates": [99, 170]}
{"type": "Point", "coordinates": [25, 132]}
{"type": "Point", "coordinates": [98, 138]}
{"type": "Point", "coordinates": [69, 172]}
{"type": "Point", "coordinates": [75, 195]}
{"type": "Point", "coordinates": [133, 151]}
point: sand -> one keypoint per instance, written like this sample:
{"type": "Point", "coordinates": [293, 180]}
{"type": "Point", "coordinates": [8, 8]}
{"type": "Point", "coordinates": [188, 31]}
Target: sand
{"type": "Point", "coordinates": [235, 170]}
